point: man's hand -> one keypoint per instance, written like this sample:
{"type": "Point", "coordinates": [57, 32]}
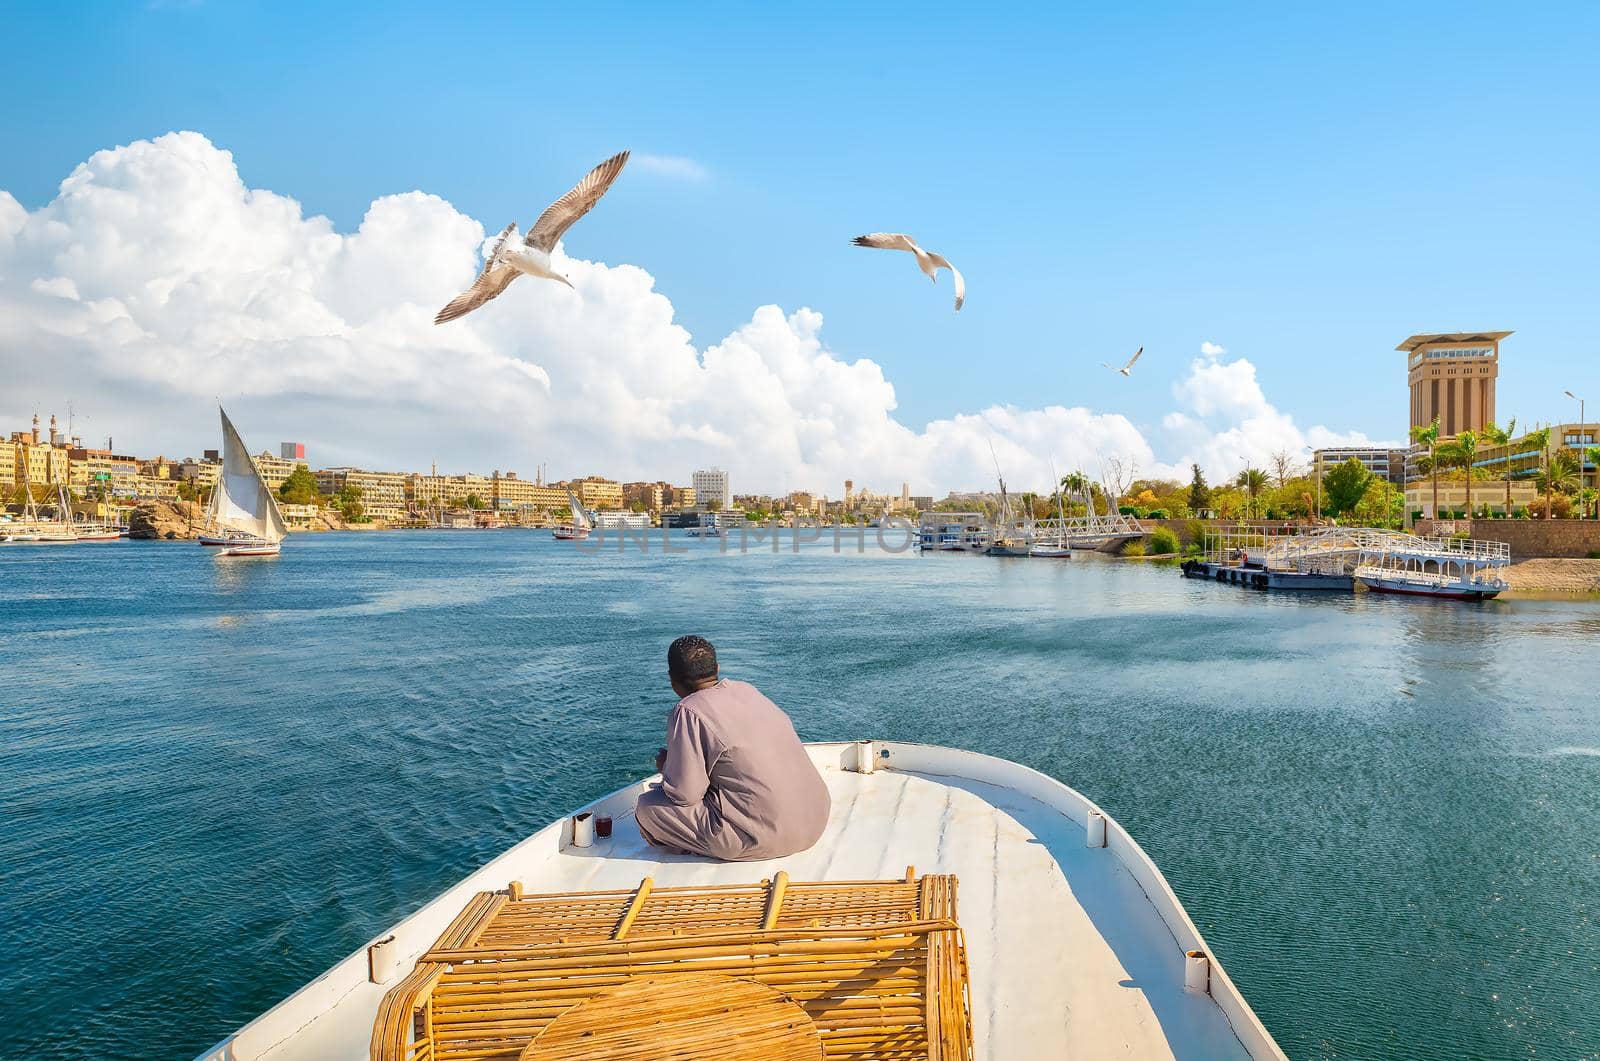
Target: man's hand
{"type": "Point", "coordinates": [661, 759]}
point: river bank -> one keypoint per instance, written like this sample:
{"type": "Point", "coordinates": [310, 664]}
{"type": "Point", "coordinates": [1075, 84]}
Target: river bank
{"type": "Point", "coordinates": [1554, 576]}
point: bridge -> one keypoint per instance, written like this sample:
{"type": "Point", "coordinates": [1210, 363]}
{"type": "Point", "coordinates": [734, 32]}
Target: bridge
{"type": "Point", "coordinates": [1090, 532]}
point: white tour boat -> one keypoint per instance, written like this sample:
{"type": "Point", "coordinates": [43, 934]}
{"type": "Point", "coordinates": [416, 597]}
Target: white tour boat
{"type": "Point", "coordinates": [244, 514]}
{"type": "Point", "coordinates": [1060, 937]}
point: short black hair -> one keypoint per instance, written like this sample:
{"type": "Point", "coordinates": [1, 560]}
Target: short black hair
{"type": "Point", "coordinates": [691, 659]}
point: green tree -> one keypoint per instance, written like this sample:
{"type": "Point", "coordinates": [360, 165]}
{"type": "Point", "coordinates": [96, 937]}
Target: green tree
{"type": "Point", "coordinates": [1199, 493]}
{"type": "Point", "coordinates": [474, 502]}
{"type": "Point", "coordinates": [1593, 455]}
{"type": "Point", "coordinates": [1501, 436]}
{"type": "Point", "coordinates": [1559, 472]}
{"type": "Point", "coordinates": [1252, 481]}
{"type": "Point", "coordinates": [300, 488]}
{"type": "Point", "coordinates": [1344, 486]}
{"type": "Point", "coordinates": [1429, 436]}
{"type": "Point", "coordinates": [349, 501]}
{"type": "Point", "coordinates": [1382, 505]}
{"type": "Point", "coordinates": [714, 505]}
{"type": "Point", "coordinates": [1463, 453]}
{"type": "Point", "coordinates": [1540, 440]}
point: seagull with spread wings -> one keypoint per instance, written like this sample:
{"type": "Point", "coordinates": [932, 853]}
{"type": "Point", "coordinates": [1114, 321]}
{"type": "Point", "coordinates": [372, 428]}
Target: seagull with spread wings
{"type": "Point", "coordinates": [927, 261]}
{"type": "Point", "coordinates": [508, 259]}
{"type": "Point", "coordinates": [1126, 370]}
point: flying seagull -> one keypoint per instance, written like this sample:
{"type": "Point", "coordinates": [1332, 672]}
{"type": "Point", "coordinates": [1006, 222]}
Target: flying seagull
{"type": "Point", "coordinates": [532, 257]}
{"type": "Point", "coordinates": [927, 261]}
{"type": "Point", "coordinates": [1126, 370]}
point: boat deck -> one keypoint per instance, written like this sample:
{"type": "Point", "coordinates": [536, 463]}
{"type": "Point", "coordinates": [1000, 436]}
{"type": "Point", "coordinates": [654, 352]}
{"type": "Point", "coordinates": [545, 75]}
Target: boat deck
{"type": "Point", "coordinates": [1074, 951]}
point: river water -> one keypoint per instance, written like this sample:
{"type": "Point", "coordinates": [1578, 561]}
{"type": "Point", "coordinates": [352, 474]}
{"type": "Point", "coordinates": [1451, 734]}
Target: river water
{"type": "Point", "coordinates": [217, 778]}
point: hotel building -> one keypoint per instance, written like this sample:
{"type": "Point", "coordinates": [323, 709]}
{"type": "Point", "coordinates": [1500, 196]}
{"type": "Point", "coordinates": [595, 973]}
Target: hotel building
{"type": "Point", "coordinates": [510, 492]}
{"type": "Point", "coordinates": [712, 485]}
{"type": "Point", "coordinates": [1452, 377]}
{"type": "Point", "coordinates": [1381, 461]}
{"type": "Point", "coordinates": [275, 470]}
{"type": "Point", "coordinates": [596, 493]}
{"type": "Point", "coordinates": [383, 494]}
{"type": "Point", "coordinates": [33, 459]}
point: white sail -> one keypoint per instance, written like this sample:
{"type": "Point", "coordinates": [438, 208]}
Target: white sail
{"type": "Point", "coordinates": [242, 502]}
{"type": "Point", "coordinates": [580, 518]}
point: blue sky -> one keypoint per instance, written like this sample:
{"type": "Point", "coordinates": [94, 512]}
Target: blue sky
{"type": "Point", "coordinates": [1303, 185]}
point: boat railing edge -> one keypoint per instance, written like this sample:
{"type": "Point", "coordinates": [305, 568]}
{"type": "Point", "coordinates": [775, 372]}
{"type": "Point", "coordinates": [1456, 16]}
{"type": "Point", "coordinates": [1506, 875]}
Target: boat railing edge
{"type": "Point", "coordinates": [1247, 1026]}
{"type": "Point", "coordinates": [416, 931]}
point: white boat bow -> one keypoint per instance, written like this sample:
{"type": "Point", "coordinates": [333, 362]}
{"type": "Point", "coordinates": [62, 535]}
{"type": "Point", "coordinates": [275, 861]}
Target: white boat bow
{"type": "Point", "coordinates": [1077, 945]}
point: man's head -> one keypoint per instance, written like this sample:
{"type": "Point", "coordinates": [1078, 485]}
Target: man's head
{"type": "Point", "coordinates": [691, 664]}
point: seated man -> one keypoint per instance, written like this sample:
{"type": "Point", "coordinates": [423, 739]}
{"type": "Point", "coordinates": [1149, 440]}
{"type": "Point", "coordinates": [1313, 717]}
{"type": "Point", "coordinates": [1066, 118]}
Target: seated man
{"type": "Point", "coordinates": [736, 783]}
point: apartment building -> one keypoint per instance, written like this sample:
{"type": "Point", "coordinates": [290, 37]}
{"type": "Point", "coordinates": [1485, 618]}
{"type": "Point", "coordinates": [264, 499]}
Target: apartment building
{"type": "Point", "coordinates": [383, 494]}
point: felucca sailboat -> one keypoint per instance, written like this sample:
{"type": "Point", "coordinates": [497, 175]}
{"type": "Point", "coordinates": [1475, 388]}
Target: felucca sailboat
{"type": "Point", "coordinates": [242, 507]}
{"type": "Point", "coordinates": [580, 526]}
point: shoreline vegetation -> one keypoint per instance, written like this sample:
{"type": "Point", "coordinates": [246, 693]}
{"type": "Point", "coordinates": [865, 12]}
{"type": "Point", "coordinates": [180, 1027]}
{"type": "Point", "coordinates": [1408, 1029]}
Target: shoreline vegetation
{"type": "Point", "coordinates": [1560, 578]}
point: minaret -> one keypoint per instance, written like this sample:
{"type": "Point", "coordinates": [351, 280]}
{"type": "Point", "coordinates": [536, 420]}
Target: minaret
{"type": "Point", "coordinates": [35, 429]}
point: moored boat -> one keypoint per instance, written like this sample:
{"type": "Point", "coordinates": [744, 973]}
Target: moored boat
{"type": "Point", "coordinates": [1067, 940]}
{"type": "Point", "coordinates": [1397, 583]}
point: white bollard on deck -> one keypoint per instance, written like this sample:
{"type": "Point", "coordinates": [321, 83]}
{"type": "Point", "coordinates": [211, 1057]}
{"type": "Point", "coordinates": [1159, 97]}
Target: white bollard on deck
{"type": "Point", "coordinates": [382, 960]}
{"type": "Point", "coordinates": [1095, 831]}
{"type": "Point", "coordinates": [1197, 972]}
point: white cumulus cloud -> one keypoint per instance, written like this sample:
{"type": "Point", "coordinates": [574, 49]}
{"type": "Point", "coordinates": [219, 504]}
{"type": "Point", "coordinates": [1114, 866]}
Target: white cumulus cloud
{"type": "Point", "coordinates": [157, 280]}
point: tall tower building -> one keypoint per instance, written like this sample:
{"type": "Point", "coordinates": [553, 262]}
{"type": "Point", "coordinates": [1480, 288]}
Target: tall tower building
{"type": "Point", "coordinates": [1452, 378]}
{"type": "Point", "coordinates": [712, 485]}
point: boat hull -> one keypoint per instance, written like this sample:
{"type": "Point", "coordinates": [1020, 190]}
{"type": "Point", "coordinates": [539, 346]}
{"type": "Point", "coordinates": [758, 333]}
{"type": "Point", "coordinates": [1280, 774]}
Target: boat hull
{"type": "Point", "coordinates": [1076, 944]}
{"type": "Point", "coordinates": [1412, 589]}
{"type": "Point", "coordinates": [257, 549]}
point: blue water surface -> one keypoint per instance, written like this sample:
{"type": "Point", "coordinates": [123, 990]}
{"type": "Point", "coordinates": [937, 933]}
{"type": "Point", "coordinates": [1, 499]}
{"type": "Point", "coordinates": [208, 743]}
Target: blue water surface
{"type": "Point", "coordinates": [219, 777]}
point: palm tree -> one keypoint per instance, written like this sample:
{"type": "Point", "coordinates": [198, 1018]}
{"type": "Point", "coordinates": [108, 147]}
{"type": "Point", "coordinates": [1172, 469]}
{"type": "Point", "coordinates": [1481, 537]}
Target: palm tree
{"type": "Point", "coordinates": [1429, 436]}
{"type": "Point", "coordinates": [1076, 484]}
{"type": "Point", "coordinates": [1559, 473]}
{"type": "Point", "coordinates": [1501, 436]}
{"type": "Point", "coordinates": [1593, 454]}
{"type": "Point", "coordinates": [1465, 450]}
{"type": "Point", "coordinates": [1252, 481]}
{"type": "Point", "coordinates": [1552, 475]}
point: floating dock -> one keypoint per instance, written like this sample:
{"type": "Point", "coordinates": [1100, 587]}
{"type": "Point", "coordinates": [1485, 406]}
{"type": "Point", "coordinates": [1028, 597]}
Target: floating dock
{"type": "Point", "coordinates": [1258, 576]}
{"type": "Point", "coordinates": [1336, 558]}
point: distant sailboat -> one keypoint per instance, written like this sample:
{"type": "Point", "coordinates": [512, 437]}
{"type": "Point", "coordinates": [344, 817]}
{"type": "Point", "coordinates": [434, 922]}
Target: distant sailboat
{"type": "Point", "coordinates": [242, 506]}
{"type": "Point", "coordinates": [36, 531]}
{"type": "Point", "coordinates": [580, 526]}
{"type": "Point", "coordinates": [1055, 546]}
